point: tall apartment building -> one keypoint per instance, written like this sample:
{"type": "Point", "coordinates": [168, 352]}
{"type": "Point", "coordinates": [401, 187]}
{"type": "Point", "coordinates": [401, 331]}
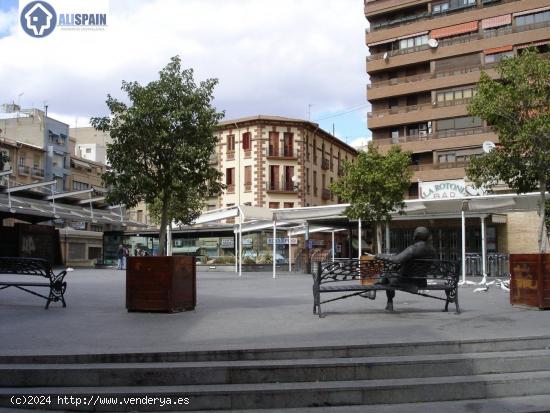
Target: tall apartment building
{"type": "Point", "coordinates": [277, 162]}
{"type": "Point", "coordinates": [425, 59]}
{"type": "Point", "coordinates": [34, 127]}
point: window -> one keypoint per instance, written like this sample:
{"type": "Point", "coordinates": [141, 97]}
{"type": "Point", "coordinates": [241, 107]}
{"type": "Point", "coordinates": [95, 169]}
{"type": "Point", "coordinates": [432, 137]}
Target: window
{"type": "Point", "coordinates": [88, 150]}
{"type": "Point", "coordinates": [528, 19]}
{"type": "Point", "coordinates": [331, 160]}
{"type": "Point", "coordinates": [451, 5]}
{"type": "Point", "coordinates": [307, 148]}
{"type": "Point", "coordinates": [274, 177]}
{"type": "Point", "coordinates": [94, 253]}
{"type": "Point", "coordinates": [288, 205]}
{"type": "Point", "coordinates": [230, 143]}
{"type": "Point", "coordinates": [463, 122]}
{"type": "Point", "coordinates": [331, 194]}
{"type": "Point", "coordinates": [288, 144]}
{"type": "Point", "coordinates": [394, 133]}
{"type": "Point", "coordinates": [308, 188]}
{"type": "Point", "coordinates": [139, 215]}
{"type": "Point", "coordinates": [412, 100]}
{"type": "Point", "coordinates": [274, 205]}
{"type": "Point", "coordinates": [273, 143]}
{"type": "Point", "coordinates": [77, 251]}
{"type": "Point", "coordinates": [230, 178]}
{"type": "Point", "coordinates": [79, 186]}
{"type": "Point", "coordinates": [289, 173]}
{"type": "Point", "coordinates": [314, 151]}
{"type": "Point", "coordinates": [246, 141]}
{"type": "Point", "coordinates": [22, 160]}
{"type": "Point", "coordinates": [453, 95]}
{"type": "Point", "coordinates": [315, 183]}
{"type": "Point", "coordinates": [447, 158]}
{"type": "Point", "coordinates": [412, 42]}
{"type": "Point", "coordinates": [497, 57]}
{"type": "Point", "coordinates": [247, 178]}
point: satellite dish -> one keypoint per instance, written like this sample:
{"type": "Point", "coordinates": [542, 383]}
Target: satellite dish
{"type": "Point", "coordinates": [433, 43]}
{"type": "Point", "coordinates": [488, 146]}
{"type": "Point", "coordinates": [386, 56]}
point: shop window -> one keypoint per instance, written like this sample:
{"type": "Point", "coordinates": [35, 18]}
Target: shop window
{"type": "Point", "coordinates": [94, 253]}
{"type": "Point", "coordinates": [274, 205]}
{"type": "Point", "coordinates": [77, 251]}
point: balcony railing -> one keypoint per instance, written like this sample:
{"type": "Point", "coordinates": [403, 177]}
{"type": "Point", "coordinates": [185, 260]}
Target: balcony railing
{"type": "Point", "coordinates": [37, 172]}
{"type": "Point", "coordinates": [340, 171]}
{"type": "Point", "coordinates": [429, 16]}
{"type": "Point", "coordinates": [325, 194]}
{"type": "Point", "coordinates": [325, 164]}
{"type": "Point", "coordinates": [281, 152]}
{"type": "Point", "coordinates": [281, 186]}
{"type": "Point", "coordinates": [437, 135]}
{"type": "Point", "coordinates": [230, 189]}
{"type": "Point", "coordinates": [23, 170]}
{"type": "Point", "coordinates": [437, 166]}
{"type": "Point", "coordinates": [406, 109]}
{"type": "Point", "coordinates": [457, 40]}
{"type": "Point", "coordinates": [230, 155]}
{"type": "Point", "coordinates": [428, 75]}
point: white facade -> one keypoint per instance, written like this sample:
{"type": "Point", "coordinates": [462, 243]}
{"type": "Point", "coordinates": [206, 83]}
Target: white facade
{"type": "Point", "coordinates": [92, 151]}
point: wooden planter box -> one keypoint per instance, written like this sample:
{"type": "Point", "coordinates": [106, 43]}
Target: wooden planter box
{"type": "Point", "coordinates": [164, 284]}
{"type": "Point", "coordinates": [530, 283]}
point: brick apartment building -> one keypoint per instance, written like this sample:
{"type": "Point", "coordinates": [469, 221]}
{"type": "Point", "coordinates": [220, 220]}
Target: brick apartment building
{"type": "Point", "coordinates": [277, 162]}
{"type": "Point", "coordinates": [425, 59]}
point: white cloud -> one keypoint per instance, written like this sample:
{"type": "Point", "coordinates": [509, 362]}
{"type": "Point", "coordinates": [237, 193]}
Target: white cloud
{"type": "Point", "coordinates": [270, 57]}
{"type": "Point", "coordinates": [360, 142]}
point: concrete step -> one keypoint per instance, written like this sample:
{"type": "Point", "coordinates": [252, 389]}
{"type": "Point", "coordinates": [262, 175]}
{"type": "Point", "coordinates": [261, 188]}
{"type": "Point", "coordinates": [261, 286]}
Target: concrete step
{"type": "Point", "coordinates": [272, 371]}
{"type": "Point", "coordinates": [367, 350]}
{"type": "Point", "coordinates": [526, 404]}
{"type": "Point", "coordinates": [288, 395]}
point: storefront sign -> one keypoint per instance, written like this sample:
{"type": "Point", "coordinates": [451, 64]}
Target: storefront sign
{"type": "Point", "coordinates": [281, 241]}
{"type": "Point", "coordinates": [451, 189]}
{"type": "Point", "coordinates": [247, 241]}
{"type": "Point", "coordinates": [227, 243]}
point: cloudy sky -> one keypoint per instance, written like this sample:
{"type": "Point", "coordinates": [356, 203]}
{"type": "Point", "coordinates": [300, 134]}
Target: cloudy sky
{"type": "Point", "coordinates": [278, 57]}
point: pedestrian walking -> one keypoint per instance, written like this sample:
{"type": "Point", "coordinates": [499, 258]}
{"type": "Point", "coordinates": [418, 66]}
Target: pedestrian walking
{"type": "Point", "coordinates": [120, 255]}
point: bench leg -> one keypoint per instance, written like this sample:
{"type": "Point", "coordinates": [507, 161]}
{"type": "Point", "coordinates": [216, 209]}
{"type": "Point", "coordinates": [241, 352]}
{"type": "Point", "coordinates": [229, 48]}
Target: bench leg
{"type": "Point", "coordinates": [456, 305]}
{"type": "Point", "coordinates": [390, 294]}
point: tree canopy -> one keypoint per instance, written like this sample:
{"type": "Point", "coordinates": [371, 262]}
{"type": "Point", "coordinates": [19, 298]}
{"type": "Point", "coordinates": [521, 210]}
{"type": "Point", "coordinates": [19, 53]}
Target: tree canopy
{"type": "Point", "coordinates": [516, 105]}
{"type": "Point", "coordinates": [161, 145]}
{"type": "Point", "coordinates": [374, 184]}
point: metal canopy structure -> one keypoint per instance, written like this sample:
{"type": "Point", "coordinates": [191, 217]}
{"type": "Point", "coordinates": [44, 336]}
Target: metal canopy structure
{"type": "Point", "coordinates": [37, 210]}
{"type": "Point", "coordinates": [331, 218]}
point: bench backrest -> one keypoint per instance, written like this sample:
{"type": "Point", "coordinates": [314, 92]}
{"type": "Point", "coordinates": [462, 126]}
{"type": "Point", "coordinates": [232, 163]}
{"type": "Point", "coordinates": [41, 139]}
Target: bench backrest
{"type": "Point", "coordinates": [25, 266]}
{"type": "Point", "coordinates": [353, 269]}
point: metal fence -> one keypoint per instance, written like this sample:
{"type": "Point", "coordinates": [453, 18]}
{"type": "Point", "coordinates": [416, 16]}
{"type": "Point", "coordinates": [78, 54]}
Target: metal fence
{"type": "Point", "coordinates": [497, 265]}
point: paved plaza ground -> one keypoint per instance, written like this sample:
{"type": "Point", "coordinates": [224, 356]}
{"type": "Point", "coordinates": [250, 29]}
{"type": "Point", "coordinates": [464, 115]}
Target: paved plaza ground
{"type": "Point", "coordinates": [254, 311]}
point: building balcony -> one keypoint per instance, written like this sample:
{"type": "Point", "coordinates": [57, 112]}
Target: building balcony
{"type": "Point", "coordinates": [325, 194]}
{"type": "Point", "coordinates": [325, 164]}
{"type": "Point", "coordinates": [38, 172]}
{"type": "Point", "coordinates": [436, 135]}
{"type": "Point", "coordinates": [467, 38]}
{"type": "Point", "coordinates": [282, 186]}
{"type": "Point", "coordinates": [423, 16]}
{"type": "Point", "coordinates": [230, 155]}
{"type": "Point", "coordinates": [439, 166]}
{"type": "Point", "coordinates": [230, 189]}
{"type": "Point", "coordinates": [281, 153]}
{"type": "Point", "coordinates": [247, 187]}
{"type": "Point", "coordinates": [23, 170]}
{"type": "Point", "coordinates": [340, 171]}
{"type": "Point", "coordinates": [402, 115]}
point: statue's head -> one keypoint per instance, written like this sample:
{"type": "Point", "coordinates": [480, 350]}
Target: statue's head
{"type": "Point", "coordinates": [421, 234]}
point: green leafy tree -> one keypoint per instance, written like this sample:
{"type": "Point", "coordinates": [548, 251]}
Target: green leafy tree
{"type": "Point", "coordinates": [374, 184]}
{"type": "Point", "coordinates": [161, 145]}
{"type": "Point", "coordinates": [516, 104]}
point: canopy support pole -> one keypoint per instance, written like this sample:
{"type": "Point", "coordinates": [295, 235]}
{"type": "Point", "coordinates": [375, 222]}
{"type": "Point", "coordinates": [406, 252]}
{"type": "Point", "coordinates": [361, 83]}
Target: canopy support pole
{"type": "Point", "coordinates": [289, 253]}
{"type": "Point", "coordinates": [463, 224]}
{"type": "Point", "coordinates": [274, 249]}
{"type": "Point", "coordinates": [332, 246]}
{"type": "Point", "coordinates": [359, 246]}
{"type": "Point", "coordinates": [483, 248]}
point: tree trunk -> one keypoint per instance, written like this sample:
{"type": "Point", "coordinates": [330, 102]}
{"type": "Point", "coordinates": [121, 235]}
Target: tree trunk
{"type": "Point", "coordinates": [163, 223]}
{"type": "Point", "coordinates": [543, 238]}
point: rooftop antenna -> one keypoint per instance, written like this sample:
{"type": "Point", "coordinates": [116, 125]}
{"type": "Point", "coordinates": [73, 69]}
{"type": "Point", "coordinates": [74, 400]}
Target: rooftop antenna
{"type": "Point", "coordinates": [309, 111]}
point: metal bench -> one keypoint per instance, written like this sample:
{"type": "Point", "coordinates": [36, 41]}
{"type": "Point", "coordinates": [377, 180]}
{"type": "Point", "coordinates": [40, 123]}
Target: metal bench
{"type": "Point", "coordinates": [34, 267]}
{"type": "Point", "coordinates": [366, 277]}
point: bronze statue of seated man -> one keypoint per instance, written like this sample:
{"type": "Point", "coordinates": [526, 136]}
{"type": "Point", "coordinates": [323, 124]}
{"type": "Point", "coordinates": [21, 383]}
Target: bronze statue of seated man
{"type": "Point", "coordinates": [406, 278]}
